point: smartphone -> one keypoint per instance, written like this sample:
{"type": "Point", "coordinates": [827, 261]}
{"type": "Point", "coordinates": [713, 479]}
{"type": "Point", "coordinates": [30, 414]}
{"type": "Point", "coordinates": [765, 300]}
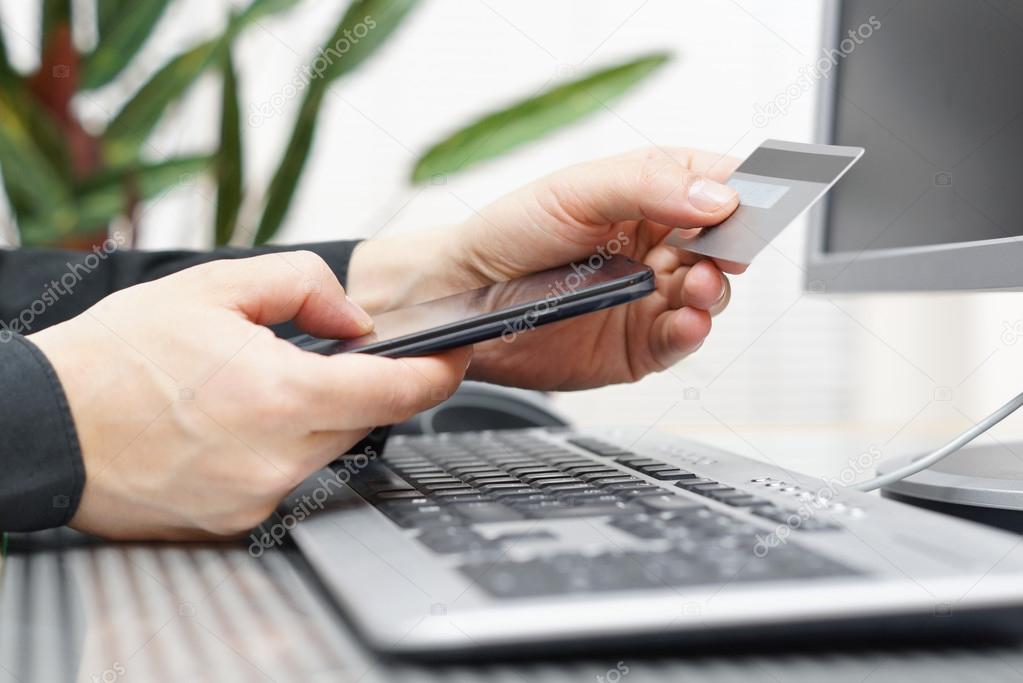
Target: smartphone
{"type": "Point", "coordinates": [506, 309]}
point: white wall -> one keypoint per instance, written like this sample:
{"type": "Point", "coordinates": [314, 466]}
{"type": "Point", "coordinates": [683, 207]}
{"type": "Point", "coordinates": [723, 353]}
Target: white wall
{"type": "Point", "coordinates": [777, 360]}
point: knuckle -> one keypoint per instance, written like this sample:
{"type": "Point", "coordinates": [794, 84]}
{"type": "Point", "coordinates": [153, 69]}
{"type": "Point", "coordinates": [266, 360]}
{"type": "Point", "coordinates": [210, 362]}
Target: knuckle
{"type": "Point", "coordinates": [310, 263]}
{"type": "Point", "coordinates": [663, 172]}
{"type": "Point", "coordinates": [653, 169]}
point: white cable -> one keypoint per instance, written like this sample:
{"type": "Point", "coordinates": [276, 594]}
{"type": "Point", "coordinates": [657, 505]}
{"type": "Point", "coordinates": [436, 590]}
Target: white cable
{"type": "Point", "coordinates": [948, 449]}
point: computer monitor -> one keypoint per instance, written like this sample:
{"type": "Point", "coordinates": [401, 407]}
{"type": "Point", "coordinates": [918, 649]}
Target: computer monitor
{"type": "Point", "coordinates": [933, 90]}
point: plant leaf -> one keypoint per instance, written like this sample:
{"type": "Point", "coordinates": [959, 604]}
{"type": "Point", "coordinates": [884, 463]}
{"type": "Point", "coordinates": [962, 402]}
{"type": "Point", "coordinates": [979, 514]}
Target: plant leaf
{"type": "Point", "coordinates": [533, 118]}
{"type": "Point", "coordinates": [108, 13]}
{"type": "Point", "coordinates": [54, 12]}
{"type": "Point", "coordinates": [345, 50]}
{"type": "Point", "coordinates": [120, 41]}
{"type": "Point", "coordinates": [229, 157]}
{"type": "Point", "coordinates": [102, 198]}
{"type": "Point", "coordinates": [133, 124]}
{"type": "Point", "coordinates": [8, 76]}
{"type": "Point", "coordinates": [28, 174]}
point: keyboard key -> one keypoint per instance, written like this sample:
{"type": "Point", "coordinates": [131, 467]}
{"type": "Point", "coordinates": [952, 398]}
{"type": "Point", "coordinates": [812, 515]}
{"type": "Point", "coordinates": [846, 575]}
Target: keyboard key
{"type": "Point", "coordinates": [745, 500]}
{"type": "Point", "coordinates": [399, 495]}
{"type": "Point", "coordinates": [532, 469]}
{"type": "Point", "coordinates": [435, 480]}
{"type": "Point", "coordinates": [459, 486]}
{"type": "Point", "coordinates": [669, 503]}
{"type": "Point", "coordinates": [597, 447]}
{"type": "Point", "coordinates": [591, 476]}
{"type": "Point", "coordinates": [562, 511]}
{"type": "Point", "coordinates": [521, 496]}
{"type": "Point", "coordinates": [510, 486]}
{"type": "Point", "coordinates": [629, 492]}
{"type": "Point", "coordinates": [454, 540]}
{"type": "Point", "coordinates": [535, 478]}
{"type": "Point", "coordinates": [671, 474]}
{"type": "Point", "coordinates": [690, 483]}
{"type": "Point", "coordinates": [604, 481]}
{"type": "Point", "coordinates": [516, 537]}
{"type": "Point", "coordinates": [711, 489]}
{"type": "Point", "coordinates": [481, 513]}
{"type": "Point", "coordinates": [582, 498]}
{"type": "Point", "coordinates": [480, 481]}
{"type": "Point", "coordinates": [582, 469]}
{"type": "Point", "coordinates": [560, 489]}
{"type": "Point", "coordinates": [545, 484]}
{"type": "Point", "coordinates": [636, 462]}
{"type": "Point", "coordinates": [458, 496]}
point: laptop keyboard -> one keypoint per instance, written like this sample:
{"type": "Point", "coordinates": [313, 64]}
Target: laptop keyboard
{"type": "Point", "coordinates": [449, 488]}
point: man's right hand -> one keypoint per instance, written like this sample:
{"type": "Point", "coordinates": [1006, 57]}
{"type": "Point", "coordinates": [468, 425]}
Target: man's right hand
{"type": "Point", "coordinates": [195, 421]}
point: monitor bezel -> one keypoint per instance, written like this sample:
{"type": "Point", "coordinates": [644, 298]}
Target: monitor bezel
{"type": "Point", "coordinates": [975, 265]}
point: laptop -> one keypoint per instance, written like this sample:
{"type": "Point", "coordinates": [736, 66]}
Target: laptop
{"type": "Point", "coordinates": [555, 539]}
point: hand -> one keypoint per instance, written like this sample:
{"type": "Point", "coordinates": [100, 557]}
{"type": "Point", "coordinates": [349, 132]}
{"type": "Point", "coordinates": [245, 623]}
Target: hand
{"type": "Point", "coordinates": [628, 203]}
{"type": "Point", "coordinates": [195, 421]}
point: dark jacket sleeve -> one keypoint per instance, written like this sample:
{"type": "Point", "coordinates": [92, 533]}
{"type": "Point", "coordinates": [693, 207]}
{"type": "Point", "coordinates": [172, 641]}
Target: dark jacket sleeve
{"type": "Point", "coordinates": [42, 287]}
{"type": "Point", "coordinates": [41, 469]}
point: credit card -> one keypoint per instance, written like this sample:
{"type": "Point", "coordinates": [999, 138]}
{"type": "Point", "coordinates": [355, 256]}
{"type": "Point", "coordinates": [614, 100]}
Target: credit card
{"type": "Point", "coordinates": [776, 183]}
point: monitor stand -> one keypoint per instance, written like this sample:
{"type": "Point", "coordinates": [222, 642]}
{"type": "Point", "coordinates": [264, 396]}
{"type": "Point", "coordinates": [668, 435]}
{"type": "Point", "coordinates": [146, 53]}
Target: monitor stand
{"type": "Point", "coordinates": [980, 483]}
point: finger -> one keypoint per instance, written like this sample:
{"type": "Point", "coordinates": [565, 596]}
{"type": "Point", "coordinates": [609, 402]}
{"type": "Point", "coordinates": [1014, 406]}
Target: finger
{"type": "Point", "coordinates": [731, 267]}
{"type": "Point", "coordinates": [356, 390]}
{"type": "Point", "coordinates": [704, 286]}
{"type": "Point", "coordinates": [676, 334]}
{"type": "Point", "coordinates": [274, 288]}
{"type": "Point", "coordinates": [664, 186]}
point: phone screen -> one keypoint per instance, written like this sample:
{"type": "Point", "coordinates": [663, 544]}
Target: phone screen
{"type": "Point", "coordinates": [539, 290]}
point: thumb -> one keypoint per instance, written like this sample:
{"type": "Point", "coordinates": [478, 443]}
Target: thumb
{"type": "Point", "coordinates": [291, 285]}
{"type": "Point", "coordinates": [681, 188]}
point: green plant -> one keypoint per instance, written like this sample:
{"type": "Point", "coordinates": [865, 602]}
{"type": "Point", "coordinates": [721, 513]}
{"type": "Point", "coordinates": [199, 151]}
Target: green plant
{"type": "Point", "coordinates": [66, 184]}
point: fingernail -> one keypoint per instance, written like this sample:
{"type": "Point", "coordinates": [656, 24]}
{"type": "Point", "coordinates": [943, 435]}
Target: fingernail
{"type": "Point", "coordinates": [709, 196]}
{"type": "Point", "coordinates": [361, 316]}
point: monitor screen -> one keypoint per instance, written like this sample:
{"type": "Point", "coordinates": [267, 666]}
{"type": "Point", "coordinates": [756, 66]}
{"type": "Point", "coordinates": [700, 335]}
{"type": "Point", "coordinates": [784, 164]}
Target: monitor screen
{"type": "Point", "coordinates": [935, 96]}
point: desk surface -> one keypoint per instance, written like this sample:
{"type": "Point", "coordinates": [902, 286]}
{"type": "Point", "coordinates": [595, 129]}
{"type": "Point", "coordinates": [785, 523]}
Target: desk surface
{"type": "Point", "coordinates": [75, 609]}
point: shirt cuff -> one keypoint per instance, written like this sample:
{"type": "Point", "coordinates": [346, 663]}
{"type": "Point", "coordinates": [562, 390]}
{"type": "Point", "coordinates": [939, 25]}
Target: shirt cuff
{"type": "Point", "coordinates": [43, 473]}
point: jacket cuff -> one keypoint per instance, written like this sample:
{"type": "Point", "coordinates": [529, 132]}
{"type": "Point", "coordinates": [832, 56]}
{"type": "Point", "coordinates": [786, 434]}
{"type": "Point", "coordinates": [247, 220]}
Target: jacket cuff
{"type": "Point", "coordinates": [43, 473]}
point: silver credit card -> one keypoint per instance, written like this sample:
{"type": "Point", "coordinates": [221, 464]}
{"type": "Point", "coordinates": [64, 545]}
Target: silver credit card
{"type": "Point", "coordinates": [776, 183]}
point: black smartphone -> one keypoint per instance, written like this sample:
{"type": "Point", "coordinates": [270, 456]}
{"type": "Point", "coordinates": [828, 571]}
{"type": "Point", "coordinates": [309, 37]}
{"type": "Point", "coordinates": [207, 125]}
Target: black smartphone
{"type": "Point", "coordinates": [505, 309]}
